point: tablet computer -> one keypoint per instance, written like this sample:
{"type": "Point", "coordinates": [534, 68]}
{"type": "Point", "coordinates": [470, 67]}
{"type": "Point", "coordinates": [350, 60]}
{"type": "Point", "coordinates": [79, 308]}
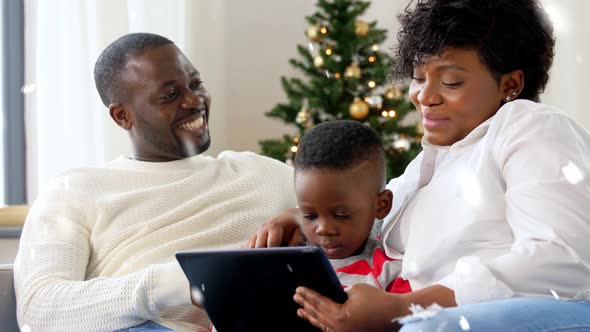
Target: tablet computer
{"type": "Point", "coordinates": [252, 289]}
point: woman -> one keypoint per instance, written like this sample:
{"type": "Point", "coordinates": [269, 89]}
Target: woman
{"type": "Point", "coordinates": [494, 214]}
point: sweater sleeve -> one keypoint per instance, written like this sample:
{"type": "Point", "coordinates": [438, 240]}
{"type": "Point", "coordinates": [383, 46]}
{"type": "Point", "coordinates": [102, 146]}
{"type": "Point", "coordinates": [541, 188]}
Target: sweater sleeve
{"type": "Point", "coordinates": [50, 276]}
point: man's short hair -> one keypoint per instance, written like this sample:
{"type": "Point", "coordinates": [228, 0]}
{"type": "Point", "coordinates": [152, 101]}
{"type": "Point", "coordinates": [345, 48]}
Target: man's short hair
{"type": "Point", "coordinates": [111, 63]}
{"type": "Point", "coordinates": [340, 145]}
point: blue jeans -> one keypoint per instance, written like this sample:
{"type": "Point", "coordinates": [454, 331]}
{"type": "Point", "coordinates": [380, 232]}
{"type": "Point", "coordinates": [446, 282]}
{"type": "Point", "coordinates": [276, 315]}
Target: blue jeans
{"type": "Point", "coordinates": [517, 314]}
{"type": "Point", "coordinates": [147, 326]}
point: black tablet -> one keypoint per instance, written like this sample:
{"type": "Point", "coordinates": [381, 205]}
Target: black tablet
{"type": "Point", "coordinates": [252, 289]}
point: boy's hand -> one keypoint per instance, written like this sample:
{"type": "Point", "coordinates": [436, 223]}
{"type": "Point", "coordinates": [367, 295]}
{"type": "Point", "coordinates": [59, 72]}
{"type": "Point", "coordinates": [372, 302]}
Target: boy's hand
{"type": "Point", "coordinates": [282, 230]}
{"type": "Point", "coordinates": [367, 309]}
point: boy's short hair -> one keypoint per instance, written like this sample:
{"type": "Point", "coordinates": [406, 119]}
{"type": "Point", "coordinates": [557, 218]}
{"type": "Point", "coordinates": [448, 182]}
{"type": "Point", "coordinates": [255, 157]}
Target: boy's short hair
{"type": "Point", "coordinates": [339, 145]}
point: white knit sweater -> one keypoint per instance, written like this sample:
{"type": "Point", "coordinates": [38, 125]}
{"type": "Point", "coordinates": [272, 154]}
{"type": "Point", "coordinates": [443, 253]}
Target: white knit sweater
{"type": "Point", "coordinates": [97, 249]}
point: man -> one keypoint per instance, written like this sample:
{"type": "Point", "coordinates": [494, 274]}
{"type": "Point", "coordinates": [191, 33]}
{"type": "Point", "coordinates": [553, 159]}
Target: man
{"type": "Point", "coordinates": [97, 249]}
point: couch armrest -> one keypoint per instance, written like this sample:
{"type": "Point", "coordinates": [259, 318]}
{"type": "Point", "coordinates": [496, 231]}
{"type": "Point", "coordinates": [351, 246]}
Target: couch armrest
{"type": "Point", "coordinates": [13, 215]}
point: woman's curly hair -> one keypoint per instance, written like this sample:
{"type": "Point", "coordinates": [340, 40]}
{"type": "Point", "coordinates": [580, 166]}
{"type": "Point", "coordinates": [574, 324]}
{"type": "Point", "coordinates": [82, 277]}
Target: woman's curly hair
{"type": "Point", "coordinates": [507, 35]}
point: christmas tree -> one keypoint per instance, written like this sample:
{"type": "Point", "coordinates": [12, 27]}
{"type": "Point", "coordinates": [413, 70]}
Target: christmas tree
{"type": "Point", "coordinates": [347, 77]}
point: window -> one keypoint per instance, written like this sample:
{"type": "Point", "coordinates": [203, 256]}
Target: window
{"type": "Point", "coordinates": [11, 80]}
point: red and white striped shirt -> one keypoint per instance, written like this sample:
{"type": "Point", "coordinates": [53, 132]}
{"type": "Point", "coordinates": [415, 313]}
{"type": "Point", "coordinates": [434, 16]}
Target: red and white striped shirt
{"type": "Point", "coordinates": [372, 267]}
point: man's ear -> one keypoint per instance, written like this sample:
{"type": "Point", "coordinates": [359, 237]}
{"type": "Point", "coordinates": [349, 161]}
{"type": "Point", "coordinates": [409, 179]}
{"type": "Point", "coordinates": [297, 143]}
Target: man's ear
{"type": "Point", "coordinates": [384, 202]}
{"type": "Point", "coordinates": [511, 85]}
{"type": "Point", "coordinates": [121, 115]}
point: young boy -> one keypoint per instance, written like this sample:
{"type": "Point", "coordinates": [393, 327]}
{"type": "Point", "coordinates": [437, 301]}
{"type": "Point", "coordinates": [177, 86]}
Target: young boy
{"type": "Point", "coordinates": [340, 187]}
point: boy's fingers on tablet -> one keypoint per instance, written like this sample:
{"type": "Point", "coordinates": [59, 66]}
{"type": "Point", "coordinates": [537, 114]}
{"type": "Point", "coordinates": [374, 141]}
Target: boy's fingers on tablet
{"type": "Point", "coordinates": [274, 237]}
{"type": "Point", "coordinates": [262, 240]}
{"type": "Point", "coordinates": [316, 308]}
{"type": "Point", "coordinates": [252, 241]}
{"type": "Point", "coordinates": [297, 238]}
{"type": "Point", "coordinates": [313, 321]}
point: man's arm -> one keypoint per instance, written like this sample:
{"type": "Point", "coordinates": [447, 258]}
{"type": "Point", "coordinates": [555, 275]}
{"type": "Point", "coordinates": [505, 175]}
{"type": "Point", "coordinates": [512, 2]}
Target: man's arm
{"type": "Point", "coordinates": [50, 277]}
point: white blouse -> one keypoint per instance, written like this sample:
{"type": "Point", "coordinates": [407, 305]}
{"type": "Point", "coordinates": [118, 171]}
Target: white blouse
{"type": "Point", "coordinates": [504, 212]}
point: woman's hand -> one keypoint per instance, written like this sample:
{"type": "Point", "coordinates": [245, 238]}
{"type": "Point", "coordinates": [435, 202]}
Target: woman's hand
{"type": "Point", "coordinates": [282, 230]}
{"type": "Point", "coordinates": [367, 309]}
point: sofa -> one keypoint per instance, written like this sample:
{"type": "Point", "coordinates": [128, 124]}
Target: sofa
{"type": "Point", "coordinates": [7, 300]}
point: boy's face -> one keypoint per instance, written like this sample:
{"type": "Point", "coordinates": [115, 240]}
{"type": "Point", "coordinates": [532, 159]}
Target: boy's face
{"type": "Point", "coordinates": [339, 208]}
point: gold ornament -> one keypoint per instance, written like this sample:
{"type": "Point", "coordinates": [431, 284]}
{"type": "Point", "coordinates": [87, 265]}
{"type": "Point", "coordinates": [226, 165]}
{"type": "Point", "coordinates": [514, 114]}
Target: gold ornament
{"type": "Point", "coordinates": [358, 109]}
{"type": "Point", "coordinates": [305, 119]}
{"type": "Point", "coordinates": [318, 61]}
{"type": "Point", "coordinates": [393, 93]}
{"type": "Point", "coordinates": [313, 33]}
{"type": "Point", "coordinates": [353, 71]}
{"type": "Point", "coordinates": [361, 28]}
{"type": "Point", "coordinates": [303, 116]}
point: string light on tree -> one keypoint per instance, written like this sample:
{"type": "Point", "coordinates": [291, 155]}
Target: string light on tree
{"type": "Point", "coordinates": [371, 84]}
{"type": "Point", "coordinates": [358, 109]}
{"type": "Point", "coordinates": [388, 113]}
{"type": "Point", "coordinates": [375, 48]}
{"type": "Point", "coordinates": [318, 61]}
{"type": "Point", "coordinates": [372, 58]}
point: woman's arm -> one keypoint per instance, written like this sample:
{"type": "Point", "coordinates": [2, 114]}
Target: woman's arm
{"type": "Point", "coordinates": [367, 308]}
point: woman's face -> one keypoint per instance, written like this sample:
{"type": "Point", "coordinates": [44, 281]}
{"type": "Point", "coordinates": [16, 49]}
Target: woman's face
{"type": "Point", "coordinates": [454, 93]}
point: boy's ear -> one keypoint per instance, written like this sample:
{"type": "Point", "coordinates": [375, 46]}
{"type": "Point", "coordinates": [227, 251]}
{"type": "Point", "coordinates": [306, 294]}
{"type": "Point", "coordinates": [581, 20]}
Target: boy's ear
{"type": "Point", "coordinates": [384, 202]}
{"type": "Point", "coordinates": [121, 116]}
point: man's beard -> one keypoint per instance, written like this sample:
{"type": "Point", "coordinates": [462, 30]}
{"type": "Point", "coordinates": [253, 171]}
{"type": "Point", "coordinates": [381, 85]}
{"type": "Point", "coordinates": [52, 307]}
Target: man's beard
{"type": "Point", "coordinates": [176, 147]}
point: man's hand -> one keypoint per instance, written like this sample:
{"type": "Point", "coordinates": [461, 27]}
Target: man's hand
{"type": "Point", "coordinates": [367, 309]}
{"type": "Point", "coordinates": [282, 230]}
{"type": "Point", "coordinates": [197, 297]}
